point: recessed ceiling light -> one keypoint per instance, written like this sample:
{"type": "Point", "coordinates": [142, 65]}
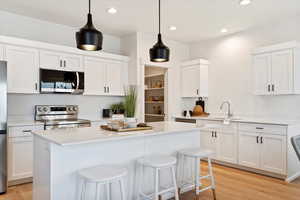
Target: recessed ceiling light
{"type": "Point", "coordinates": [224, 30]}
{"type": "Point", "coordinates": [245, 2]}
{"type": "Point", "coordinates": [112, 10]}
{"type": "Point", "coordinates": [173, 28]}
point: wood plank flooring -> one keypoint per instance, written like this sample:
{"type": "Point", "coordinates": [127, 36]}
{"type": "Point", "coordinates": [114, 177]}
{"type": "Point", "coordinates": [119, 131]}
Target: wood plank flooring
{"type": "Point", "coordinates": [232, 184]}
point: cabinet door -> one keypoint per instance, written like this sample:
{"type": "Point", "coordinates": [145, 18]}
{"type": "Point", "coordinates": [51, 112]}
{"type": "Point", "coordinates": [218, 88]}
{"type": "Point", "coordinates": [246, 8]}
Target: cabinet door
{"type": "Point", "coordinates": [20, 158]}
{"type": "Point", "coordinates": [95, 76]}
{"type": "Point", "coordinates": [249, 149]}
{"type": "Point", "coordinates": [203, 87]}
{"type": "Point", "coordinates": [1, 52]}
{"type": "Point", "coordinates": [227, 146]}
{"type": "Point", "coordinates": [208, 141]}
{"type": "Point", "coordinates": [273, 153]}
{"type": "Point", "coordinates": [282, 72]}
{"type": "Point", "coordinates": [114, 78]}
{"type": "Point", "coordinates": [190, 81]}
{"type": "Point", "coordinates": [72, 62]}
{"type": "Point", "coordinates": [23, 69]}
{"type": "Point", "coordinates": [51, 60]}
{"type": "Point", "coordinates": [262, 74]}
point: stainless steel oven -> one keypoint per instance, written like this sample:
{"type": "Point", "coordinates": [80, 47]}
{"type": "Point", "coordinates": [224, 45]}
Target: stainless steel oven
{"type": "Point", "coordinates": [60, 116]}
{"type": "Point", "coordinates": [55, 81]}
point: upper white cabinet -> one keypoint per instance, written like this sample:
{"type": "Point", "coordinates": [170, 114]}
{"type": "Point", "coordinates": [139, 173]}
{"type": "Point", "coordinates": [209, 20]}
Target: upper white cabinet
{"type": "Point", "coordinates": [1, 52]}
{"type": "Point", "coordinates": [60, 61]}
{"type": "Point", "coordinates": [22, 69]}
{"type": "Point", "coordinates": [104, 77]}
{"type": "Point", "coordinates": [194, 78]}
{"type": "Point", "coordinates": [276, 69]}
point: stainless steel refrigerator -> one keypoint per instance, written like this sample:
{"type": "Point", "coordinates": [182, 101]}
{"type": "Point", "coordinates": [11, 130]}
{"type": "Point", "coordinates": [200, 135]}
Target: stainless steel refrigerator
{"type": "Point", "coordinates": [3, 127]}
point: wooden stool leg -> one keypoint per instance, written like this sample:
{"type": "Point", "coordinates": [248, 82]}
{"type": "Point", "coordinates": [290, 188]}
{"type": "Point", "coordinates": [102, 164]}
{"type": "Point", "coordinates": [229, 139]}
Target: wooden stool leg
{"type": "Point", "coordinates": [156, 194]}
{"type": "Point", "coordinates": [214, 194]}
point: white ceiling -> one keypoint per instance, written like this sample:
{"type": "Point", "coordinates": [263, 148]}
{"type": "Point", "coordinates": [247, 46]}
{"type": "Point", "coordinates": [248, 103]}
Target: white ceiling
{"type": "Point", "coordinates": [195, 19]}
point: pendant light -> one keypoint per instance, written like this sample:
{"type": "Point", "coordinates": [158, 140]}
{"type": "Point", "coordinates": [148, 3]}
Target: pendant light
{"type": "Point", "coordinates": [88, 38]}
{"type": "Point", "coordinates": [159, 52]}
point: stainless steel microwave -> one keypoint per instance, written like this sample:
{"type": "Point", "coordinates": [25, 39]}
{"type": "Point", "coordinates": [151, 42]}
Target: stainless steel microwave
{"type": "Point", "coordinates": [65, 82]}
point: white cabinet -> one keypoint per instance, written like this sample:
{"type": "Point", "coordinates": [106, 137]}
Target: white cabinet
{"type": "Point", "coordinates": [249, 153]}
{"type": "Point", "coordinates": [103, 77]}
{"type": "Point", "coordinates": [275, 70]}
{"type": "Point", "coordinates": [20, 152]}
{"type": "Point", "coordinates": [264, 147]}
{"type": "Point", "coordinates": [222, 140]}
{"type": "Point", "coordinates": [1, 52]}
{"type": "Point", "coordinates": [194, 78]}
{"type": "Point", "coordinates": [60, 61]}
{"type": "Point", "coordinates": [22, 69]}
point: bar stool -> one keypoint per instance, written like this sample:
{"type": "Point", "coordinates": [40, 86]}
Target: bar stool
{"type": "Point", "coordinates": [196, 154]}
{"type": "Point", "coordinates": [103, 176]}
{"type": "Point", "coordinates": [157, 163]}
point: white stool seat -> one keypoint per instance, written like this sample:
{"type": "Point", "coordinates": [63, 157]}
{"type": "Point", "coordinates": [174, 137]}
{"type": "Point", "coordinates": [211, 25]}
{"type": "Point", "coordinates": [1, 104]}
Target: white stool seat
{"type": "Point", "coordinates": [103, 173]}
{"type": "Point", "coordinates": [158, 161]}
{"type": "Point", "coordinates": [196, 152]}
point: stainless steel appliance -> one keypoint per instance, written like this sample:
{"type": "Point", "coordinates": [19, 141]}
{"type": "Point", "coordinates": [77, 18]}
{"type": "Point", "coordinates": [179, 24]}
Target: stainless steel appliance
{"type": "Point", "coordinates": [55, 81]}
{"type": "Point", "coordinates": [3, 127]}
{"type": "Point", "coordinates": [65, 116]}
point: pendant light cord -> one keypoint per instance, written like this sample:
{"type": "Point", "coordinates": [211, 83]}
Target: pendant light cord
{"type": "Point", "coordinates": [89, 6]}
{"type": "Point", "coordinates": [159, 14]}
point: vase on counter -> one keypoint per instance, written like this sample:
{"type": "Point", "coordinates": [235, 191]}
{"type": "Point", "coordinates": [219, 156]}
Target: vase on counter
{"type": "Point", "coordinates": [131, 122]}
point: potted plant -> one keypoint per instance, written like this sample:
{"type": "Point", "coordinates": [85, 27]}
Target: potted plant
{"type": "Point", "coordinates": [118, 108]}
{"type": "Point", "coordinates": [130, 105]}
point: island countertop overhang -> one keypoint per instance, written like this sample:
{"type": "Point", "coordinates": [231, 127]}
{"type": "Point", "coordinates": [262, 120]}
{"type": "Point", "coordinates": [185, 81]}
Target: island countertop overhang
{"type": "Point", "coordinates": [77, 136]}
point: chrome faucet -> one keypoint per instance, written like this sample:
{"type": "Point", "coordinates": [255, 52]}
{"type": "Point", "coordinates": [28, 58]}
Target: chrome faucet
{"type": "Point", "coordinates": [229, 114]}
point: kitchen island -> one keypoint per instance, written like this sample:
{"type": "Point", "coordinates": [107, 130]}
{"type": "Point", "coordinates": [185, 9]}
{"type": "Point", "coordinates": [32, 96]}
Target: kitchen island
{"type": "Point", "coordinates": [59, 154]}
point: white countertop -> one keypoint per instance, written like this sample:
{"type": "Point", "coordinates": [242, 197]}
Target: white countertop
{"type": "Point", "coordinates": [75, 136]}
{"type": "Point", "coordinates": [249, 119]}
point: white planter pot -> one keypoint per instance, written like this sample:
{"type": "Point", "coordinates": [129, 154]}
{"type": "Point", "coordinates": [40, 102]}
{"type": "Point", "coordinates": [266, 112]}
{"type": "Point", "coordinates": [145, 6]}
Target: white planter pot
{"type": "Point", "coordinates": [131, 121]}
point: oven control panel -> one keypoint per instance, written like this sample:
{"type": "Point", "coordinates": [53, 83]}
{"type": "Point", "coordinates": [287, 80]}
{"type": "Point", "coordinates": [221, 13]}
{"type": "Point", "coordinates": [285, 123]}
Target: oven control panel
{"type": "Point", "coordinates": [56, 110]}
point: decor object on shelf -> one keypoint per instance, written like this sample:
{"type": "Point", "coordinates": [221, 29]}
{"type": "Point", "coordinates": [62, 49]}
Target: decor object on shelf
{"type": "Point", "coordinates": [130, 105]}
{"type": "Point", "coordinates": [88, 38]}
{"type": "Point", "coordinates": [159, 52]}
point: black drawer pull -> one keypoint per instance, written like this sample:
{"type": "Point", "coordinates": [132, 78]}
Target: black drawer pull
{"type": "Point", "coordinates": [27, 131]}
{"type": "Point", "coordinates": [259, 128]}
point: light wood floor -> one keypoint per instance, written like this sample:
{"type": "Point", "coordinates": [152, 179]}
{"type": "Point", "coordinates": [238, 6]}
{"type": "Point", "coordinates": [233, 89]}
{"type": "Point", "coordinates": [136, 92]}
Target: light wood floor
{"type": "Point", "coordinates": [232, 184]}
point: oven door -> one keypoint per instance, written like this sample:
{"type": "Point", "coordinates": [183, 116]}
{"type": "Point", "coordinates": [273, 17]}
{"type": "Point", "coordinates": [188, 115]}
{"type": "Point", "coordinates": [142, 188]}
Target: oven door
{"type": "Point", "coordinates": [54, 81]}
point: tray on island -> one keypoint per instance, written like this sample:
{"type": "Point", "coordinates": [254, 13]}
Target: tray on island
{"type": "Point", "coordinates": [107, 128]}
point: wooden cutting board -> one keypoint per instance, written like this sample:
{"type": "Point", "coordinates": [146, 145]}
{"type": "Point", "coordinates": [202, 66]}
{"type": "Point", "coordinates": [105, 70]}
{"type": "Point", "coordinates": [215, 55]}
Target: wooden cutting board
{"type": "Point", "coordinates": [105, 127]}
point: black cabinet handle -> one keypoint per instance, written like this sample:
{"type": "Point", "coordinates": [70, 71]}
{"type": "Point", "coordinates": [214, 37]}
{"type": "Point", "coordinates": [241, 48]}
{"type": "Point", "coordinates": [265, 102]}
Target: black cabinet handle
{"type": "Point", "coordinates": [212, 134]}
{"type": "Point", "coordinates": [273, 87]}
{"type": "Point", "coordinates": [108, 89]}
{"type": "Point", "coordinates": [257, 139]}
{"type": "Point", "coordinates": [259, 128]}
{"type": "Point", "coordinates": [60, 63]}
{"type": "Point", "coordinates": [36, 86]}
{"type": "Point", "coordinates": [216, 134]}
{"type": "Point", "coordinates": [197, 91]}
{"type": "Point", "coordinates": [269, 88]}
{"type": "Point", "coordinates": [65, 63]}
{"type": "Point", "coordinates": [261, 140]}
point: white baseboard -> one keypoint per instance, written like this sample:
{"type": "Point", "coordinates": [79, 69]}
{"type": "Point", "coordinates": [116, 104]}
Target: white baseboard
{"type": "Point", "coordinates": [292, 178]}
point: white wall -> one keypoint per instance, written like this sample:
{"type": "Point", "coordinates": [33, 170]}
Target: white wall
{"type": "Point", "coordinates": [139, 52]}
{"type": "Point", "coordinates": [230, 71]}
{"type": "Point", "coordinates": [34, 29]}
{"type": "Point", "coordinates": [22, 106]}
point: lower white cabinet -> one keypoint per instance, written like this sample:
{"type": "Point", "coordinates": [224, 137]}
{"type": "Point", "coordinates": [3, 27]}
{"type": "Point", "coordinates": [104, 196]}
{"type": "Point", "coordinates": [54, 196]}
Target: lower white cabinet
{"type": "Point", "coordinates": [257, 146]}
{"type": "Point", "coordinates": [20, 152]}
{"type": "Point", "coordinates": [20, 158]}
{"type": "Point", "coordinates": [222, 141]}
{"type": "Point", "coordinates": [264, 148]}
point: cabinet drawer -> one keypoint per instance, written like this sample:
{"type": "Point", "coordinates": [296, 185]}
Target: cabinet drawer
{"type": "Point", "coordinates": [263, 128]}
{"type": "Point", "coordinates": [23, 131]}
{"type": "Point", "coordinates": [211, 125]}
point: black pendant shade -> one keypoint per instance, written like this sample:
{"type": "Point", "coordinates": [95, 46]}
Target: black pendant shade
{"type": "Point", "coordinates": [88, 38]}
{"type": "Point", "coordinates": [159, 52]}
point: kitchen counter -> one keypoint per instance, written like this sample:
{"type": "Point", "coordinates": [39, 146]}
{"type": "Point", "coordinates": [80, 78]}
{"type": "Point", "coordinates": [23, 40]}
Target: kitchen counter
{"type": "Point", "coordinates": [247, 119]}
{"type": "Point", "coordinates": [76, 136]}
{"type": "Point", "coordinates": [59, 154]}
